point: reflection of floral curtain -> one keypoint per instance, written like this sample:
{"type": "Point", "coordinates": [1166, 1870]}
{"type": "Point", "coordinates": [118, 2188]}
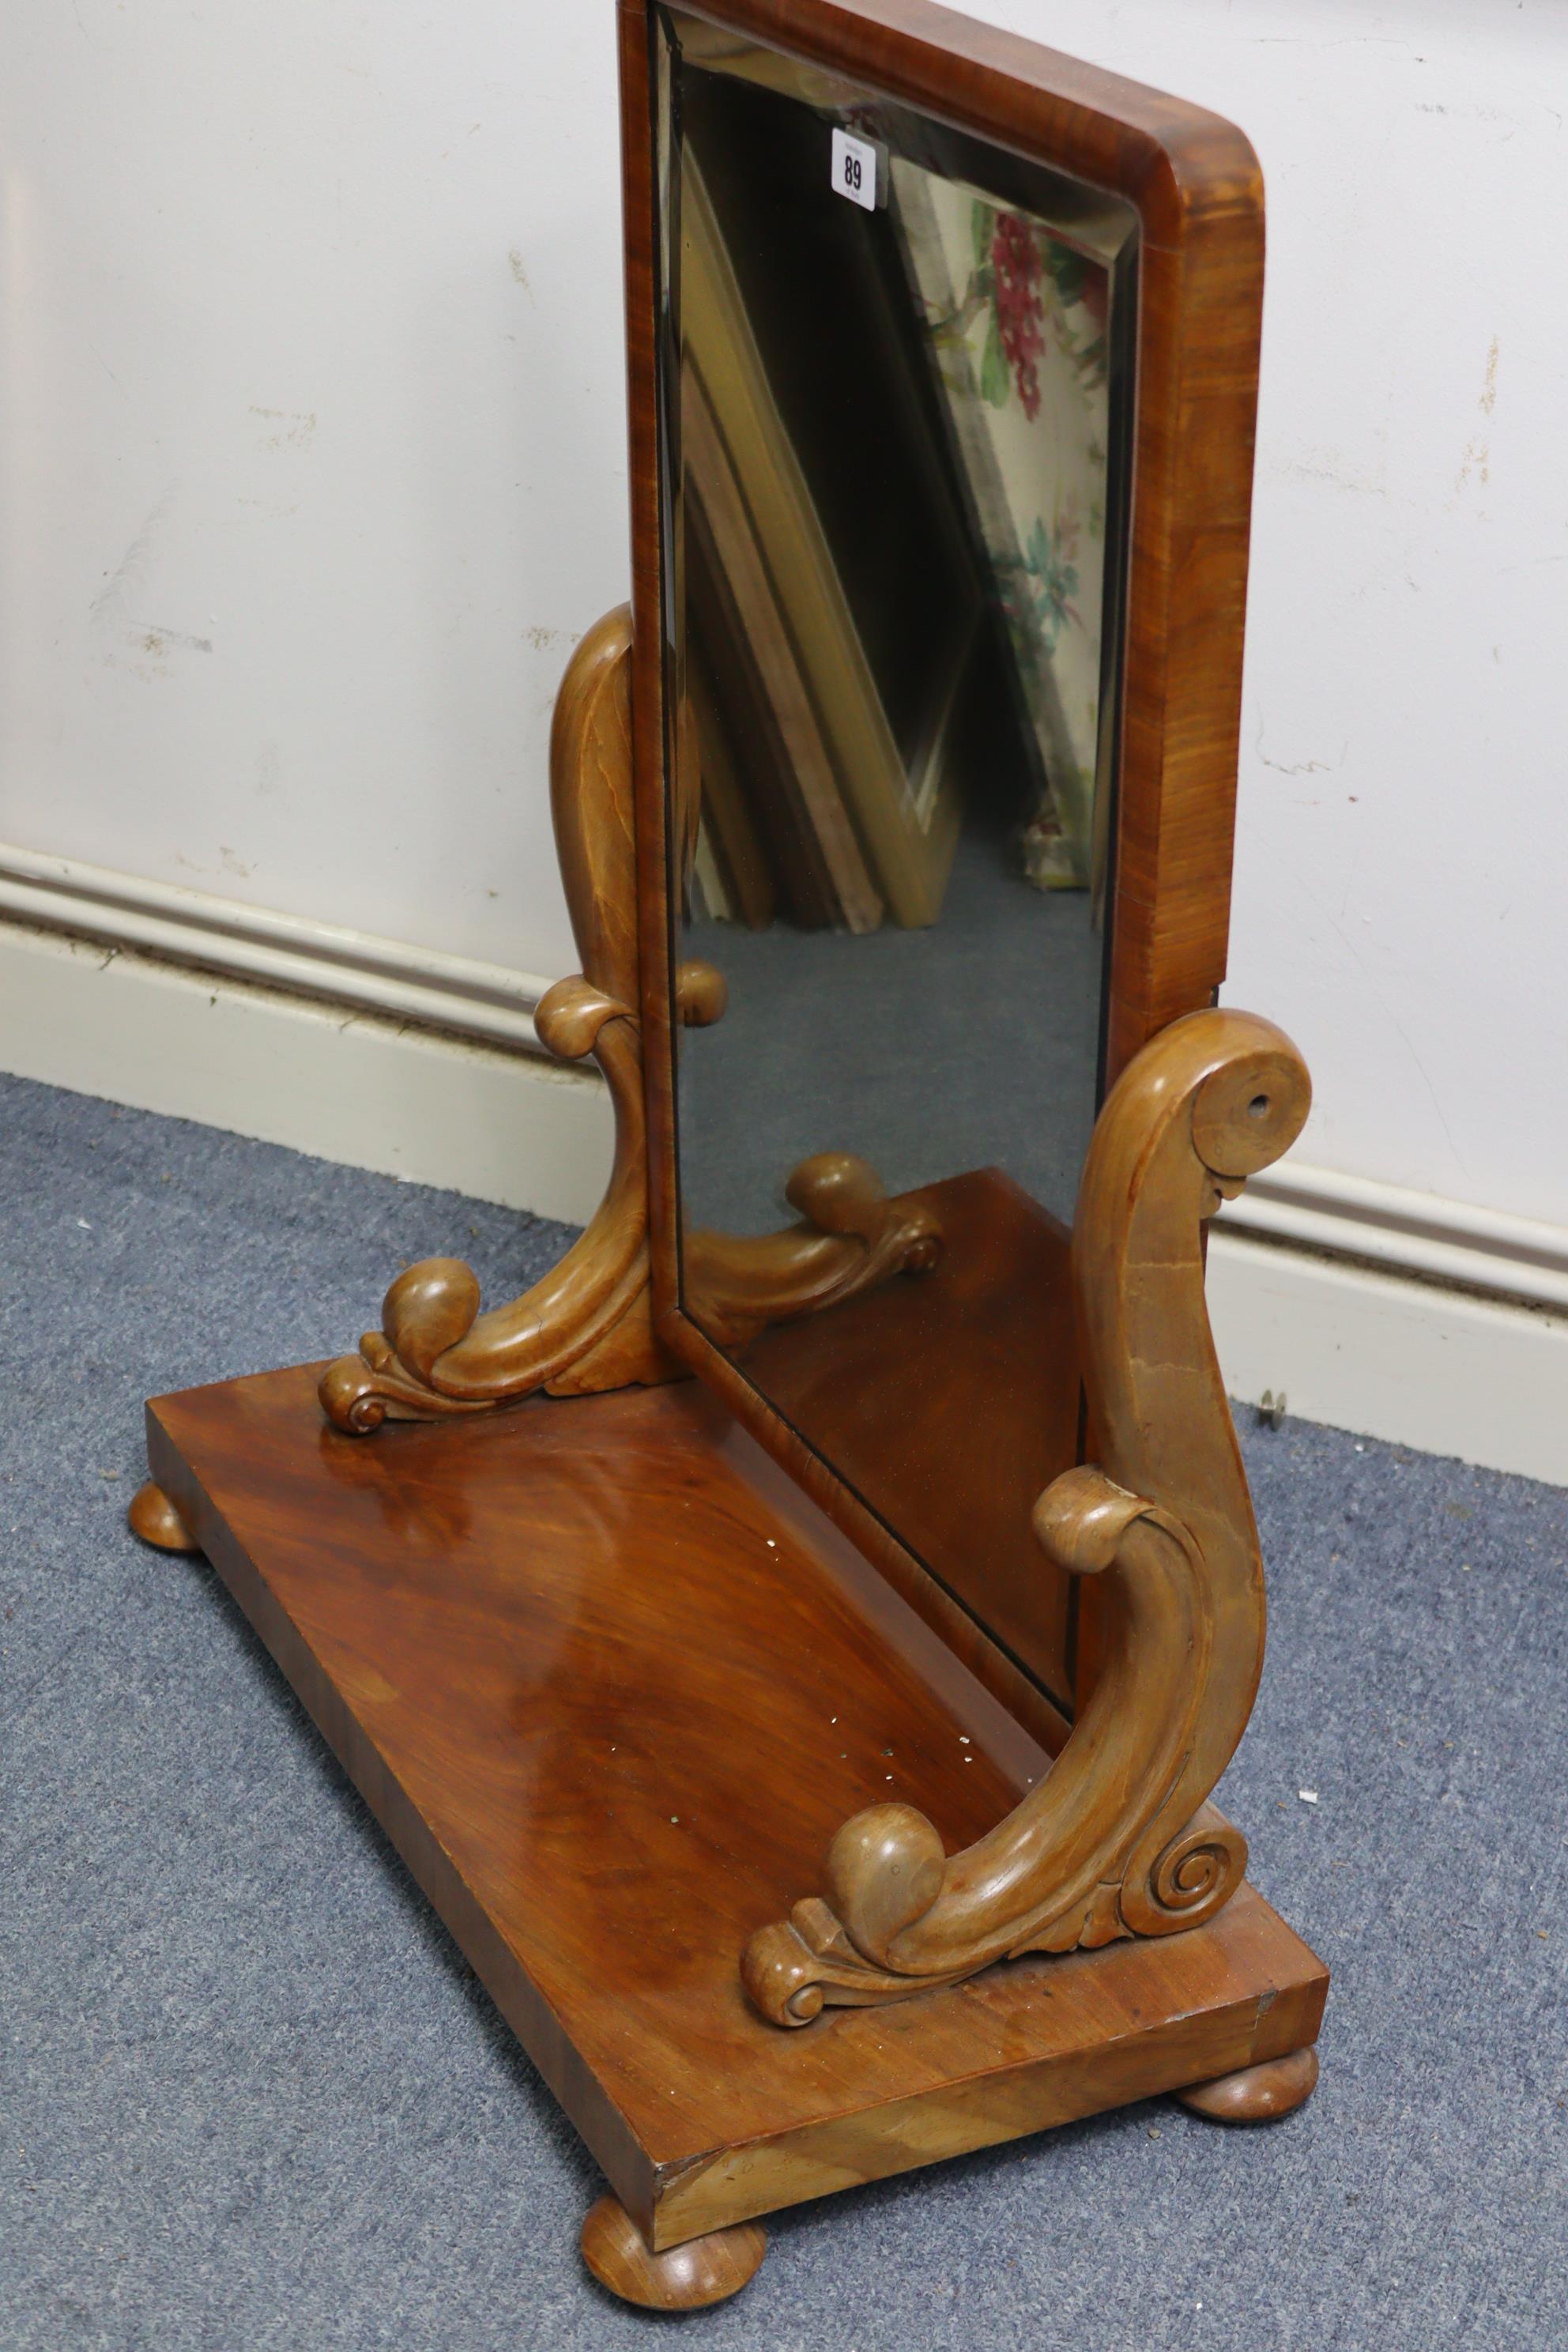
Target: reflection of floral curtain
{"type": "Point", "coordinates": [1016, 319]}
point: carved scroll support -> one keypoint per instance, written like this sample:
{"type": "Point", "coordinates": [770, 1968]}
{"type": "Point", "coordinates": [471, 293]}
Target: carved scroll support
{"type": "Point", "coordinates": [851, 1237]}
{"type": "Point", "coordinates": [588, 1324]}
{"type": "Point", "coordinates": [1117, 1839]}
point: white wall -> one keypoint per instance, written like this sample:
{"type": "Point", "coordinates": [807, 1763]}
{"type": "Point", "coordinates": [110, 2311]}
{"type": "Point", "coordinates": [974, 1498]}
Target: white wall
{"type": "Point", "coordinates": [312, 468]}
{"type": "Point", "coordinates": [311, 446]}
{"type": "Point", "coordinates": [1403, 817]}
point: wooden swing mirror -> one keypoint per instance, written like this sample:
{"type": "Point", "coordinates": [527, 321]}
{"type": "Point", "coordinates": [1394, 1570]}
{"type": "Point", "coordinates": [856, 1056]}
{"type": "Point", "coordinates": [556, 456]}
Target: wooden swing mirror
{"type": "Point", "coordinates": [794, 1645]}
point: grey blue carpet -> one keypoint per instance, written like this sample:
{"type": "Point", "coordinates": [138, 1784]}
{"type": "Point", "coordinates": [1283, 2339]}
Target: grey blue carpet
{"type": "Point", "coordinates": [250, 2096]}
{"type": "Point", "coordinates": [902, 1045]}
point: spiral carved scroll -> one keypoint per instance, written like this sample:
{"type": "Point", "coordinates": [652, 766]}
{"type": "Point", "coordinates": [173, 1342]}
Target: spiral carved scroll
{"type": "Point", "coordinates": [1118, 1838]}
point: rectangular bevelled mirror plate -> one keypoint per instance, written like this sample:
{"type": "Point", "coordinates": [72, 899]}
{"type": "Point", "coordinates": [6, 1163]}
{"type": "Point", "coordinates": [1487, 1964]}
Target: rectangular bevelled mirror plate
{"type": "Point", "coordinates": [895, 391]}
{"type": "Point", "coordinates": [896, 367]}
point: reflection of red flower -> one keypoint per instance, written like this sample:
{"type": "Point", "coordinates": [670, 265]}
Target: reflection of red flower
{"type": "Point", "coordinates": [1095, 294]}
{"type": "Point", "coordinates": [1016, 259]}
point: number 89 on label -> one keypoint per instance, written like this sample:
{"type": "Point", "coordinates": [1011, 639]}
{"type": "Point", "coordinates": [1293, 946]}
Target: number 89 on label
{"type": "Point", "coordinates": [853, 169]}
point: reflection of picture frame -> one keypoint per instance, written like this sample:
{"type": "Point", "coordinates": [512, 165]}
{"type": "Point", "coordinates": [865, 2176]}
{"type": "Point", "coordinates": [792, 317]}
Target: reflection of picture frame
{"type": "Point", "coordinates": [1016, 316]}
{"type": "Point", "coordinates": [877, 820]}
{"type": "Point", "coordinates": [747, 633]}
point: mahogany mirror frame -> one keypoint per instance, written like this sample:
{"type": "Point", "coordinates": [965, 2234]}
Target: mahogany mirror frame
{"type": "Point", "coordinates": [1195, 186]}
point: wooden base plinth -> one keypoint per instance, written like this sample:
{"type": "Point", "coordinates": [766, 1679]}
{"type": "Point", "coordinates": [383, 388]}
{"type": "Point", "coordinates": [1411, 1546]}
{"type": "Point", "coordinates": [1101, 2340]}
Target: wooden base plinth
{"type": "Point", "coordinates": [610, 1682]}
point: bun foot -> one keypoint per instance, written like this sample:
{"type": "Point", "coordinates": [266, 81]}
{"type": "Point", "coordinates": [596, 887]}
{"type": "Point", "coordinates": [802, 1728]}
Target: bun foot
{"type": "Point", "coordinates": [1256, 2095]}
{"type": "Point", "coordinates": [702, 2270]}
{"type": "Point", "coordinates": [154, 1518]}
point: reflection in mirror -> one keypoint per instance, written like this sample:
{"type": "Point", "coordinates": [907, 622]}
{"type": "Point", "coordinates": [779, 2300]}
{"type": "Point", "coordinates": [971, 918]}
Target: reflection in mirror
{"type": "Point", "coordinates": [896, 388]}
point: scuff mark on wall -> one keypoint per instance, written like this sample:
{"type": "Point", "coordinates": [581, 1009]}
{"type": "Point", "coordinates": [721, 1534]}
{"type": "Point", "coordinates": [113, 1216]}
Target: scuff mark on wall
{"type": "Point", "coordinates": [157, 639]}
{"type": "Point", "coordinates": [1300, 767]}
{"type": "Point", "coordinates": [111, 607]}
{"type": "Point", "coordinates": [1477, 455]}
{"type": "Point", "coordinates": [115, 625]}
{"type": "Point", "coordinates": [1475, 458]}
{"type": "Point", "coordinates": [298, 427]}
{"type": "Point", "coordinates": [229, 862]}
{"type": "Point", "coordinates": [1489, 394]}
{"type": "Point", "coordinates": [1327, 466]}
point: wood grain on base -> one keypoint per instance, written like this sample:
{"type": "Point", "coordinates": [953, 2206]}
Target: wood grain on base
{"type": "Point", "coordinates": [609, 1681]}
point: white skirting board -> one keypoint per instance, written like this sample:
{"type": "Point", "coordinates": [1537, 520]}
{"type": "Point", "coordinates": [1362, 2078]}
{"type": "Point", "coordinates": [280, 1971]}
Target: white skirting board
{"type": "Point", "coordinates": [484, 1000]}
{"type": "Point", "coordinates": [1444, 1370]}
{"type": "Point", "coordinates": [1295, 1307]}
{"type": "Point", "coordinates": [359, 1088]}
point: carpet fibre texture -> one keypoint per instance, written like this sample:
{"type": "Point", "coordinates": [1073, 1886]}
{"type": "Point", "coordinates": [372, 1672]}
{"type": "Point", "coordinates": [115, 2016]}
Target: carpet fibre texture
{"type": "Point", "coordinates": [251, 2096]}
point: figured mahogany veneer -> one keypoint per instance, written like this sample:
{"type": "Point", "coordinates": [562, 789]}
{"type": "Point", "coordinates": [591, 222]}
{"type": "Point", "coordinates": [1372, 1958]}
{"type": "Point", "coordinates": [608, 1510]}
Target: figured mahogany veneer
{"type": "Point", "coordinates": [610, 1682]}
